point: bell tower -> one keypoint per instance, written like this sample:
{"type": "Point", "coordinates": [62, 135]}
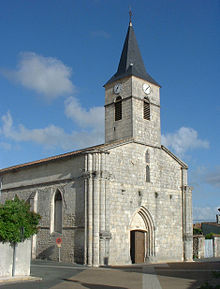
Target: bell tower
{"type": "Point", "coordinates": [132, 99]}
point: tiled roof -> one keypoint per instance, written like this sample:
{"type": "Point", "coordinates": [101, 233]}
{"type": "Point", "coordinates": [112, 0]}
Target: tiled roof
{"type": "Point", "coordinates": [66, 155]}
{"type": "Point", "coordinates": [101, 147]}
{"type": "Point", "coordinates": [211, 223]}
{"type": "Point", "coordinates": [52, 158]}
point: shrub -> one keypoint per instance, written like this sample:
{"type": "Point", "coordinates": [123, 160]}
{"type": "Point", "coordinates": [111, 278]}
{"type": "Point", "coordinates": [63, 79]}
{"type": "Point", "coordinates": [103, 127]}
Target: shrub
{"type": "Point", "coordinates": [17, 222]}
{"type": "Point", "coordinates": [209, 236]}
{"type": "Point", "coordinates": [197, 231]}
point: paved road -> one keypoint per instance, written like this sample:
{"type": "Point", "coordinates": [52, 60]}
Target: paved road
{"type": "Point", "coordinates": [161, 276]}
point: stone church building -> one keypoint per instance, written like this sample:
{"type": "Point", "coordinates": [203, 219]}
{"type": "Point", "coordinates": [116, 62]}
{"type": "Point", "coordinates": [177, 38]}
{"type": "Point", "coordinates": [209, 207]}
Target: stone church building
{"type": "Point", "coordinates": [125, 201]}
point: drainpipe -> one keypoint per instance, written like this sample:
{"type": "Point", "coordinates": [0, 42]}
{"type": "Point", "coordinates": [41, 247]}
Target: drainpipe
{"type": "Point", "coordinates": [187, 217]}
{"type": "Point", "coordinates": [86, 208]}
{"type": "Point", "coordinates": [90, 211]}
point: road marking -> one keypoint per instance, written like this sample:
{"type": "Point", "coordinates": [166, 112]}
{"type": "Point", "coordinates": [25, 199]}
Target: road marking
{"type": "Point", "coordinates": [150, 280]}
{"type": "Point", "coordinates": [58, 267]}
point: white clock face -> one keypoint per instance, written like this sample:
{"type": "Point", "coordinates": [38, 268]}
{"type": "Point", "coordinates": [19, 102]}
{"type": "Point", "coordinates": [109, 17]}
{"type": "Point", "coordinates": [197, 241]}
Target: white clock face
{"type": "Point", "coordinates": [146, 88]}
{"type": "Point", "coordinates": [117, 88]}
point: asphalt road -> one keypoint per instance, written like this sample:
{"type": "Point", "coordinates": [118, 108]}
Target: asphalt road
{"type": "Point", "coordinates": [161, 276]}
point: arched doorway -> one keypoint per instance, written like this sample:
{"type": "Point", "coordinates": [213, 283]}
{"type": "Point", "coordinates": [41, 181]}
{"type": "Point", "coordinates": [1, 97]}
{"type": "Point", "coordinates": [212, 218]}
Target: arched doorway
{"type": "Point", "coordinates": [141, 236]}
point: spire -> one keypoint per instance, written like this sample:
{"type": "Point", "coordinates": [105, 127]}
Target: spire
{"type": "Point", "coordinates": [130, 14]}
{"type": "Point", "coordinates": [131, 62]}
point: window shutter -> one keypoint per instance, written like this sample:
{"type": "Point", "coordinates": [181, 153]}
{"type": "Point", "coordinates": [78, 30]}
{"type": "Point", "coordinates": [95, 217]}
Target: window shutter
{"type": "Point", "coordinates": [118, 108]}
{"type": "Point", "coordinates": [146, 109]}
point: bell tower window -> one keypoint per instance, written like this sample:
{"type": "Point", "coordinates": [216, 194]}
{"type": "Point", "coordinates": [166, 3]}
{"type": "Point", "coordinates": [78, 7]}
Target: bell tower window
{"type": "Point", "coordinates": [146, 109]}
{"type": "Point", "coordinates": [118, 108]}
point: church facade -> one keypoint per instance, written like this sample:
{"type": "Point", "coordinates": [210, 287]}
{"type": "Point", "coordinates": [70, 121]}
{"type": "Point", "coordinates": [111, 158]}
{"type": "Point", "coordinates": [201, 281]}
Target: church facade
{"type": "Point", "coordinates": [125, 201]}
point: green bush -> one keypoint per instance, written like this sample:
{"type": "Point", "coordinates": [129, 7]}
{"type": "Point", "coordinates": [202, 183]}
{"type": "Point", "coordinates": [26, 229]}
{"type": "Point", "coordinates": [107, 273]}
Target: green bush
{"type": "Point", "coordinates": [197, 231]}
{"type": "Point", "coordinates": [209, 236]}
{"type": "Point", "coordinates": [17, 222]}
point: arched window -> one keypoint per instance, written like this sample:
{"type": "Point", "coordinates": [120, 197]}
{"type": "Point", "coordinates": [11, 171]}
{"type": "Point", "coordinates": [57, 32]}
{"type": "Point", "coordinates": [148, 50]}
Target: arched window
{"type": "Point", "coordinates": [146, 108]}
{"type": "Point", "coordinates": [118, 108]}
{"type": "Point", "coordinates": [147, 157]}
{"type": "Point", "coordinates": [147, 174]}
{"type": "Point", "coordinates": [58, 212]}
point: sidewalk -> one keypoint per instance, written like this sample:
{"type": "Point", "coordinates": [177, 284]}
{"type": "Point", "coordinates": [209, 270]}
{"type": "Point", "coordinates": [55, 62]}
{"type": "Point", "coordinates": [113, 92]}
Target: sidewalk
{"type": "Point", "coordinates": [43, 264]}
{"type": "Point", "coordinates": [15, 279]}
{"type": "Point", "coordinates": [213, 259]}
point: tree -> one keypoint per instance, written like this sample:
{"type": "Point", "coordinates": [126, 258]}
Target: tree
{"type": "Point", "coordinates": [17, 223]}
{"type": "Point", "coordinates": [197, 231]}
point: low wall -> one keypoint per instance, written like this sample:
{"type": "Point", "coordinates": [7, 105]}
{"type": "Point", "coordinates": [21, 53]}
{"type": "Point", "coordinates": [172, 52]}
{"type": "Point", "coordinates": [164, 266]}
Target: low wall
{"type": "Point", "coordinates": [22, 262]}
{"type": "Point", "coordinates": [199, 246]}
{"type": "Point", "coordinates": [216, 244]}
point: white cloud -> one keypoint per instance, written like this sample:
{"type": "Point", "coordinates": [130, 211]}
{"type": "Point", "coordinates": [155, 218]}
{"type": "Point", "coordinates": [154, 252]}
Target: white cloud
{"type": "Point", "coordinates": [94, 117]}
{"type": "Point", "coordinates": [45, 75]}
{"type": "Point", "coordinates": [184, 139]}
{"type": "Point", "coordinates": [50, 136]}
{"type": "Point", "coordinates": [205, 213]}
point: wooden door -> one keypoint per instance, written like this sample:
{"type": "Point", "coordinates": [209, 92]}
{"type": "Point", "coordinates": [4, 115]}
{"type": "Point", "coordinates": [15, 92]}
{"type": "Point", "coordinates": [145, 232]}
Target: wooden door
{"type": "Point", "coordinates": [137, 246]}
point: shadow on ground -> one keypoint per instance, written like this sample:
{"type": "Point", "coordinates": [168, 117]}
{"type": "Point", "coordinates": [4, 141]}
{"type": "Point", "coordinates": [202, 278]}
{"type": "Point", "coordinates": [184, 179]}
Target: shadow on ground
{"type": "Point", "coordinates": [94, 286]}
{"type": "Point", "coordinates": [197, 273]}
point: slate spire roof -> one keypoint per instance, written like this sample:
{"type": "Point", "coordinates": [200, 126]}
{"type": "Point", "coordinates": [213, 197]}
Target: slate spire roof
{"type": "Point", "coordinates": [131, 62]}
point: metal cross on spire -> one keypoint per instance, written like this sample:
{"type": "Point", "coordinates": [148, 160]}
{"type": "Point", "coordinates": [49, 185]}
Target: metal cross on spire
{"type": "Point", "coordinates": [130, 15]}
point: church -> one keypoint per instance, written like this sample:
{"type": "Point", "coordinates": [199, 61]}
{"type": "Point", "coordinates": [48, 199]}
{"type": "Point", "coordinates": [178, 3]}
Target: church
{"type": "Point", "coordinates": [122, 202]}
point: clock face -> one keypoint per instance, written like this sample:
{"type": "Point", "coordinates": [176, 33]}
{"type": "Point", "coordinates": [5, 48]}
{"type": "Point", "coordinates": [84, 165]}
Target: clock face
{"type": "Point", "coordinates": [146, 88]}
{"type": "Point", "coordinates": [117, 88]}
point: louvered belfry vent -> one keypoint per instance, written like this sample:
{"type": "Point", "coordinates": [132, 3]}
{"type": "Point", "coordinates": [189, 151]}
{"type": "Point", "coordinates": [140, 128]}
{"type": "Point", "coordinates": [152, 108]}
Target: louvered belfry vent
{"type": "Point", "coordinates": [146, 109]}
{"type": "Point", "coordinates": [118, 108]}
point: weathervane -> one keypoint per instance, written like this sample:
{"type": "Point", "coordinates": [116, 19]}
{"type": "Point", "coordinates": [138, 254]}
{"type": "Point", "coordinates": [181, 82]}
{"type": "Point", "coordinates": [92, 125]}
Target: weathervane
{"type": "Point", "coordinates": [130, 15]}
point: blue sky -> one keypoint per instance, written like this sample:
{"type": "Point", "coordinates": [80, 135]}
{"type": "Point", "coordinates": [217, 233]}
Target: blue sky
{"type": "Point", "coordinates": [56, 56]}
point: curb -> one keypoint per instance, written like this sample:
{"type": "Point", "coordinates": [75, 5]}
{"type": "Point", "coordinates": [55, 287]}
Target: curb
{"type": "Point", "coordinates": [15, 279]}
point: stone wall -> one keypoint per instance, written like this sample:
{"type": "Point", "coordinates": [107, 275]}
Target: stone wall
{"type": "Point", "coordinates": [133, 123]}
{"type": "Point", "coordinates": [162, 197]}
{"type": "Point", "coordinates": [38, 184]}
{"type": "Point", "coordinates": [116, 191]}
{"type": "Point", "coordinates": [216, 246]}
{"type": "Point", "coordinates": [198, 246]}
{"type": "Point", "coordinates": [121, 129]}
{"type": "Point", "coordinates": [146, 131]}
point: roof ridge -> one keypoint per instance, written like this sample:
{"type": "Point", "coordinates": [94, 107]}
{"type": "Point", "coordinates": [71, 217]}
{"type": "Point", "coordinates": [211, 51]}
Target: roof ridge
{"type": "Point", "coordinates": [64, 155]}
{"type": "Point", "coordinates": [184, 165]}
